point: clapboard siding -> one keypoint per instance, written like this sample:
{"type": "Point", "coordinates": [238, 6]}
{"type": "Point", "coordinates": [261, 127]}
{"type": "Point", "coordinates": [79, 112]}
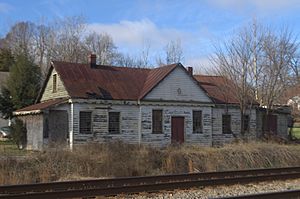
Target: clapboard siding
{"type": "Point", "coordinates": [178, 85]}
{"type": "Point", "coordinates": [130, 128]}
{"type": "Point", "coordinates": [218, 137]}
{"type": "Point", "coordinates": [147, 137]}
{"type": "Point", "coordinates": [48, 92]}
{"type": "Point", "coordinates": [128, 123]}
{"type": "Point", "coordinates": [282, 123]}
{"type": "Point", "coordinates": [35, 126]}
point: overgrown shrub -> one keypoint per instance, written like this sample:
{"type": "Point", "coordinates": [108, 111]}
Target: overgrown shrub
{"type": "Point", "coordinates": [19, 133]}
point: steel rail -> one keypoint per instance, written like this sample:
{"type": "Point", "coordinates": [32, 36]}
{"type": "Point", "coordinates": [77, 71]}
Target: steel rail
{"type": "Point", "coordinates": [117, 182]}
{"type": "Point", "coordinates": [273, 195]}
{"type": "Point", "coordinates": [130, 189]}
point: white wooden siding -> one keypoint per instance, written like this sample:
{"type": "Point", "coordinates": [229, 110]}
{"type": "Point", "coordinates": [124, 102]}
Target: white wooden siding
{"type": "Point", "coordinates": [133, 132]}
{"type": "Point", "coordinates": [147, 137]}
{"type": "Point", "coordinates": [128, 124]}
{"type": "Point", "coordinates": [282, 125]}
{"type": "Point", "coordinates": [60, 91]}
{"type": "Point", "coordinates": [177, 80]}
{"type": "Point", "coordinates": [35, 126]}
{"type": "Point", "coordinates": [218, 137]}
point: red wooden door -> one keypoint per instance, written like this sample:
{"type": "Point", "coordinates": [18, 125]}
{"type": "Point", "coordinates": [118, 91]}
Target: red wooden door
{"type": "Point", "coordinates": [177, 134]}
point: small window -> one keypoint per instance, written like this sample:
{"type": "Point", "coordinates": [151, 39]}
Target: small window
{"type": "Point", "coordinates": [85, 123]}
{"type": "Point", "coordinates": [246, 122]}
{"type": "Point", "coordinates": [46, 129]}
{"type": "Point", "coordinates": [197, 121]}
{"type": "Point", "coordinates": [54, 88]}
{"type": "Point", "coordinates": [226, 124]}
{"type": "Point", "coordinates": [157, 121]}
{"type": "Point", "coordinates": [114, 122]}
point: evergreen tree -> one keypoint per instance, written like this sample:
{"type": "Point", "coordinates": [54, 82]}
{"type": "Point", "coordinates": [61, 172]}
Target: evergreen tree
{"type": "Point", "coordinates": [22, 86]}
{"type": "Point", "coordinates": [6, 59]}
{"type": "Point", "coordinates": [6, 105]}
{"type": "Point", "coordinates": [23, 82]}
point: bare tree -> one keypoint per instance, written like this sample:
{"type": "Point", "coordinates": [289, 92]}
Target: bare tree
{"type": "Point", "coordinates": [257, 61]}
{"type": "Point", "coordinates": [173, 53]}
{"type": "Point", "coordinates": [20, 39]}
{"type": "Point", "coordinates": [237, 60]}
{"type": "Point", "coordinates": [279, 53]}
{"type": "Point", "coordinates": [103, 46]}
{"type": "Point", "coordinates": [66, 39]}
{"type": "Point", "coordinates": [144, 56]}
{"type": "Point", "coordinates": [41, 42]}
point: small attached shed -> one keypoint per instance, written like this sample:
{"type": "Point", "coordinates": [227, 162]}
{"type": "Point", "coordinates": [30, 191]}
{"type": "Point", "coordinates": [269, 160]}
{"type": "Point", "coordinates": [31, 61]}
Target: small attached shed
{"type": "Point", "coordinates": [274, 123]}
{"type": "Point", "coordinates": [45, 123]}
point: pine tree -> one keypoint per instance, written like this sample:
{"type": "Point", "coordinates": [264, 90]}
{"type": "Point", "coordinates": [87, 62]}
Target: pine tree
{"type": "Point", "coordinates": [6, 59]}
{"type": "Point", "coordinates": [23, 83]}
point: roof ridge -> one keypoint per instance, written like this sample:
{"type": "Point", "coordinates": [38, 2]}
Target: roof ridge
{"type": "Point", "coordinates": [209, 75]}
{"type": "Point", "coordinates": [105, 65]}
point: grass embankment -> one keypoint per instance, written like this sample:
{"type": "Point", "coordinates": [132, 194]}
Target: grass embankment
{"type": "Point", "coordinates": [8, 148]}
{"type": "Point", "coordinates": [119, 159]}
{"type": "Point", "coordinates": [295, 132]}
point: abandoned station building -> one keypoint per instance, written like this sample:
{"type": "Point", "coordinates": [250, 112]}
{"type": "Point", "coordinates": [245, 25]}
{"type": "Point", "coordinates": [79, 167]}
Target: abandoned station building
{"type": "Point", "coordinates": [79, 103]}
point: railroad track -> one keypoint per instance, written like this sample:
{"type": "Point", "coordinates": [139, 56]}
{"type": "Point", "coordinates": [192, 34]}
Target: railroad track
{"type": "Point", "coordinates": [130, 185]}
{"type": "Point", "coordinates": [274, 195]}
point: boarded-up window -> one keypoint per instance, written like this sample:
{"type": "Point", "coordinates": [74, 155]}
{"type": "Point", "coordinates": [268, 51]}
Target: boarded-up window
{"type": "Point", "coordinates": [114, 122]}
{"type": "Point", "coordinates": [226, 124]}
{"type": "Point", "coordinates": [197, 121]}
{"type": "Point", "coordinates": [54, 85]}
{"type": "Point", "coordinates": [157, 121]}
{"type": "Point", "coordinates": [85, 122]}
{"type": "Point", "coordinates": [46, 129]}
{"type": "Point", "coordinates": [246, 120]}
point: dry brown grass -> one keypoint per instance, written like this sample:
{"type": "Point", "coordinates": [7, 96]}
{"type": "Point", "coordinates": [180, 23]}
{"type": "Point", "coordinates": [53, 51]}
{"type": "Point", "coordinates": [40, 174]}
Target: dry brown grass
{"type": "Point", "coordinates": [120, 159]}
{"type": "Point", "coordinates": [231, 157]}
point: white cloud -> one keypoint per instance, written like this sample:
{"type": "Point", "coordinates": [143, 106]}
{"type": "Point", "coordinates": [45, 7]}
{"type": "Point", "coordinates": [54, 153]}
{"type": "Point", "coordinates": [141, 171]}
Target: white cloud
{"type": "Point", "coordinates": [133, 36]}
{"type": "Point", "coordinates": [136, 33]}
{"type": "Point", "coordinates": [4, 7]}
{"type": "Point", "coordinates": [261, 5]}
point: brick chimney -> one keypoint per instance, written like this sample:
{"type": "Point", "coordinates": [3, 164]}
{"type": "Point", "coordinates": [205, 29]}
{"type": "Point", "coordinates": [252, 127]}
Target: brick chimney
{"type": "Point", "coordinates": [92, 60]}
{"type": "Point", "coordinates": [190, 70]}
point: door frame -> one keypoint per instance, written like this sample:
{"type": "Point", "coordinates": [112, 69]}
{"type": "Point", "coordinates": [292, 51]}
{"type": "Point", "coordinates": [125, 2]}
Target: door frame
{"type": "Point", "coordinates": [184, 130]}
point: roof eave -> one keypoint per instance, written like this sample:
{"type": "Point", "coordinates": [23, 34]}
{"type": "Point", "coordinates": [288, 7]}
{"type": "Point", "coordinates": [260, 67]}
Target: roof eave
{"type": "Point", "coordinates": [32, 112]}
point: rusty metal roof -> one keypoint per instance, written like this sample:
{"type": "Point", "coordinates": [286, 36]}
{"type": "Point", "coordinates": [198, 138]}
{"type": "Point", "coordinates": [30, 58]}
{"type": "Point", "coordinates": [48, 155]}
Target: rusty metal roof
{"type": "Point", "coordinates": [37, 108]}
{"type": "Point", "coordinates": [109, 82]}
{"type": "Point", "coordinates": [220, 89]}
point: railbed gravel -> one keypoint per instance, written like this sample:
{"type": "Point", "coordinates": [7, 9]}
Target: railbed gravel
{"type": "Point", "coordinates": [219, 191]}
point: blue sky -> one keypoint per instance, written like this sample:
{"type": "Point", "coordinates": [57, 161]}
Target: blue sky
{"type": "Point", "coordinates": [134, 24]}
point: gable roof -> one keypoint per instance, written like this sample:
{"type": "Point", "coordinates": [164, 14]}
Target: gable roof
{"type": "Point", "coordinates": [219, 88]}
{"type": "Point", "coordinates": [108, 82]}
{"type": "Point", "coordinates": [155, 76]}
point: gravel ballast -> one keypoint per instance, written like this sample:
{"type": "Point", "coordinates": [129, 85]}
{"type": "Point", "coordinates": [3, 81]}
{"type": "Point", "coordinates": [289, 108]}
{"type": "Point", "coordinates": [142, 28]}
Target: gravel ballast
{"type": "Point", "coordinates": [220, 191]}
